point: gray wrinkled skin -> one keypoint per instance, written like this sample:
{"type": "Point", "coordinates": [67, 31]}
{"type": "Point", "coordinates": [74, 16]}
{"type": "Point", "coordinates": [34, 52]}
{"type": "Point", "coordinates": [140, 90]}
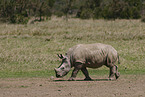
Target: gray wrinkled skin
{"type": "Point", "coordinates": [88, 55]}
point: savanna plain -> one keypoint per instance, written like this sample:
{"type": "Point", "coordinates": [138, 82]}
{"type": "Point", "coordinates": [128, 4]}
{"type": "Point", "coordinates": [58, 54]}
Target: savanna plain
{"type": "Point", "coordinates": [28, 56]}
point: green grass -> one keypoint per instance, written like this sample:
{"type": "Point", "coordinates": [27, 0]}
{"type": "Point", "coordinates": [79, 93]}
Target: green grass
{"type": "Point", "coordinates": [48, 73]}
{"type": "Point", "coordinates": [30, 50]}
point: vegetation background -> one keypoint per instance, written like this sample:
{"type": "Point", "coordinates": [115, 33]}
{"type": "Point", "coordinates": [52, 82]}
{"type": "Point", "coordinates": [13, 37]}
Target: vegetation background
{"type": "Point", "coordinates": [29, 48]}
{"type": "Point", "coordinates": [21, 11]}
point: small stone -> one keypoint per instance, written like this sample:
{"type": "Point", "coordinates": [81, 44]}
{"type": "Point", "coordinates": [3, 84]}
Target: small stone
{"type": "Point", "coordinates": [52, 77]}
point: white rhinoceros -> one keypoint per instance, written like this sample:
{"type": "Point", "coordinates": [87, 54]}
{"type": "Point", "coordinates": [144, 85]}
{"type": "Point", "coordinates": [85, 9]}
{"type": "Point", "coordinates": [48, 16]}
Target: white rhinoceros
{"type": "Point", "coordinates": [88, 55]}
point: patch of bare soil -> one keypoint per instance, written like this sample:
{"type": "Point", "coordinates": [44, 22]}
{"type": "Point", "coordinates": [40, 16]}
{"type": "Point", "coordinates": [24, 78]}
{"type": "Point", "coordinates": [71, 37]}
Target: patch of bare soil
{"type": "Point", "coordinates": [125, 86]}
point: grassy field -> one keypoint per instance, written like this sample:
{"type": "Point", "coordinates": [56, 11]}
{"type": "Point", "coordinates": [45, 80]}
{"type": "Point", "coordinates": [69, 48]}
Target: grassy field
{"type": "Point", "coordinates": [30, 50]}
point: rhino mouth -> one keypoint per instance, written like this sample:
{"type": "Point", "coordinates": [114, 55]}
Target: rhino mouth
{"type": "Point", "coordinates": [57, 75]}
{"type": "Point", "coordinates": [60, 76]}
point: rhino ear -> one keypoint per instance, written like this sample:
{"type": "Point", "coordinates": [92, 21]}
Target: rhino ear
{"type": "Point", "coordinates": [60, 56]}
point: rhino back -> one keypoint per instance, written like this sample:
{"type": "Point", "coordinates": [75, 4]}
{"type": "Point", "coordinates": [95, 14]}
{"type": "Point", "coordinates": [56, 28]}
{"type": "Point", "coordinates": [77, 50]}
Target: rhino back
{"type": "Point", "coordinates": [93, 55]}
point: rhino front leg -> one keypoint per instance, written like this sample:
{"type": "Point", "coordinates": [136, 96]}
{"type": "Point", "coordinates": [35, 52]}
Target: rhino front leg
{"type": "Point", "coordinates": [74, 74]}
{"type": "Point", "coordinates": [85, 72]}
{"type": "Point", "coordinates": [117, 74]}
{"type": "Point", "coordinates": [77, 67]}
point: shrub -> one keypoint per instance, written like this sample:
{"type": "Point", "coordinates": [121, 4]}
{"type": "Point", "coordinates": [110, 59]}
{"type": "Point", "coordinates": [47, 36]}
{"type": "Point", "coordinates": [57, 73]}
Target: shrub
{"type": "Point", "coordinates": [143, 19]}
{"type": "Point", "coordinates": [111, 9]}
{"type": "Point", "coordinates": [86, 14]}
{"type": "Point", "coordinates": [19, 11]}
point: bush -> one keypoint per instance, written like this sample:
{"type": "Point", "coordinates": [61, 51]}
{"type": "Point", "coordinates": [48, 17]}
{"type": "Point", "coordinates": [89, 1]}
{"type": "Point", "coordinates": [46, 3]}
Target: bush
{"type": "Point", "coordinates": [19, 11]}
{"type": "Point", "coordinates": [122, 9]}
{"type": "Point", "coordinates": [143, 19]}
{"type": "Point", "coordinates": [86, 14]}
{"type": "Point", "coordinates": [19, 19]}
{"type": "Point", "coordinates": [59, 14]}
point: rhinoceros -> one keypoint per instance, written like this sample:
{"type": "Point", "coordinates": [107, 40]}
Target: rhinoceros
{"type": "Point", "coordinates": [82, 56]}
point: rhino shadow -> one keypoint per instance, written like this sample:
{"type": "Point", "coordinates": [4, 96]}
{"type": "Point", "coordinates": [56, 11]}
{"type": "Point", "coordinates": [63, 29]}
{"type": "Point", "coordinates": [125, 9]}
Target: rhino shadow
{"type": "Point", "coordinates": [84, 80]}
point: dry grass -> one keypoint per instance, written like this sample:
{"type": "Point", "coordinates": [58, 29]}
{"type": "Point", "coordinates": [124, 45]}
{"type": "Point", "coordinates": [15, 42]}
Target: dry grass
{"type": "Point", "coordinates": [33, 47]}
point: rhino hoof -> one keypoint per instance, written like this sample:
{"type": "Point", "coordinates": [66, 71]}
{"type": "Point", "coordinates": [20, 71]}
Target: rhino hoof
{"type": "Point", "coordinates": [111, 79]}
{"type": "Point", "coordinates": [117, 75]}
{"type": "Point", "coordinates": [71, 79]}
{"type": "Point", "coordinates": [87, 79]}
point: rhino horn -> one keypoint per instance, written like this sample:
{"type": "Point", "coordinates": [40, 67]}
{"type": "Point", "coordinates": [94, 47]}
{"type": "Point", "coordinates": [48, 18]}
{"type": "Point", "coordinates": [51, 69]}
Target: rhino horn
{"type": "Point", "coordinates": [60, 56]}
{"type": "Point", "coordinates": [55, 69]}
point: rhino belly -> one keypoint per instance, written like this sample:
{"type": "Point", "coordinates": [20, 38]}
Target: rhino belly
{"type": "Point", "coordinates": [94, 64]}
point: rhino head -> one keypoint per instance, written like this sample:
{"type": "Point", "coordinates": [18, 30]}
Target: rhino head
{"type": "Point", "coordinates": [64, 67]}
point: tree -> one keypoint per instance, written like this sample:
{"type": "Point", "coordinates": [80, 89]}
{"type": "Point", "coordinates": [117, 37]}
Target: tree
{"type": "Point", "coordinates": [19, 11]}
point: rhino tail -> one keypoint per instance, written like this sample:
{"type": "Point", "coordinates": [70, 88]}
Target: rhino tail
{"type": "Point", "coordinates": [118, 59]}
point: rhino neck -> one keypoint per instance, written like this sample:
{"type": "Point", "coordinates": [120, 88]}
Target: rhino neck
{"type": "Point", "coordinates": [69, 60]}
{"type": "Point", "coordinates": [69, 64]}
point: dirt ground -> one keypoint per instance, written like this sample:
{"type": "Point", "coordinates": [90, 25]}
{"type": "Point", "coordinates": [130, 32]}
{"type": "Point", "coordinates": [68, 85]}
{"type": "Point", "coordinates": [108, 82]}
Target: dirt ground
{"type": "Point", "coordinates": [125, 86]}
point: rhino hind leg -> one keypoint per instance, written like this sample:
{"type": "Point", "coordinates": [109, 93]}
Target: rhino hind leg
{"type": "Point", "coordinates": [85, 72]}
{"type": "Point", "coordinates": [112, 73]}
{"type": "Point", "coordinates": [112, 70]}
{"type": "Point", "coordinates": [117, 74]}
